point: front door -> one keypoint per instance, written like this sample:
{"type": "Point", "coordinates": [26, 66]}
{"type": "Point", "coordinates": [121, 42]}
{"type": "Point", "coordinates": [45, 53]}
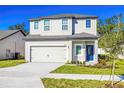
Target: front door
{"type": "Point", "coordinates": [89, 52]}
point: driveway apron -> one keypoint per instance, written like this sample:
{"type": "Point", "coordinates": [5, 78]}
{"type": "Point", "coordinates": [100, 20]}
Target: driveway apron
{"type": "Point", "coordinates": [26, 75]}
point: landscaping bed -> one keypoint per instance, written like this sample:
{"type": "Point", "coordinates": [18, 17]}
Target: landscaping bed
{"type": "Point", "coordinates": [9, 63]}
{"type": "Point", "coordinates": [74, 69]}
{"type": "Point", "coordinates": [68, 83]}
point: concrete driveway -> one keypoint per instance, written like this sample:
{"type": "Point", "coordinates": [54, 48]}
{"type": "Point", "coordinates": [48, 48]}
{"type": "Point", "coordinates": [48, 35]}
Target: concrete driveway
{"type": "Point", "coordinates": [26, 75]}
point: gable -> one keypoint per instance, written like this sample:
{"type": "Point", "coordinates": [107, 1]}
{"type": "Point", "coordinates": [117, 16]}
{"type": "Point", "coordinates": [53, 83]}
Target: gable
{"type": "Point", "coordinates": [6, 34]}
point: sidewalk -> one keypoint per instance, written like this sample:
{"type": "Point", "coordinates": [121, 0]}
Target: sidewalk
{"type": "Point", "coordinates": [83, 76]}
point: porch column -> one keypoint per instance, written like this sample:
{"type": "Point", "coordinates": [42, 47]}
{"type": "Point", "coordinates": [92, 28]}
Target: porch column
{"type": "Point", "coordinates": [27, 52]}
{"type": "Point", "coordinates": [84, 51]}
{"type": "Point", "coordinates": [96, 51]}
{"type": "Point", "coordinates": [70, 51]}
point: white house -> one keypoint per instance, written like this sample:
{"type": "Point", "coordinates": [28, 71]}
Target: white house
{"type": "Point", "coordinates": [11, 43]}
{"type": "Point", "coordinates": [102, 51]}
{"type": "Point", "coordinates": [62, 38]}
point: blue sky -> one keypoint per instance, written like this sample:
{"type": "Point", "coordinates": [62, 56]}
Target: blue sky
{"type": "Point", "coordinates": [11, 15]}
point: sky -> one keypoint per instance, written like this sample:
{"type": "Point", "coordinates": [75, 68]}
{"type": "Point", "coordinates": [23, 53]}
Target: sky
{"type": "Point", "coordinates": [14, 14]}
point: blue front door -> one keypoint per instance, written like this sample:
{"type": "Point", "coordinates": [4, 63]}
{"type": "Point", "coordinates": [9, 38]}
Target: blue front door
{"type": "Point", "coordinates": [89, 52]}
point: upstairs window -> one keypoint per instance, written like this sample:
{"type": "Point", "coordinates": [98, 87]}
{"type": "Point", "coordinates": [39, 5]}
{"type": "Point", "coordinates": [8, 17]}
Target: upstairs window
{"type": "Point", "coordinates": [88, 23]}
{"type": "Point", "coordinates": [64, 24]}
{"type": "Point", "coordinates": [46, 25]}
{"type": "Point", "coordinates": [35, 25]}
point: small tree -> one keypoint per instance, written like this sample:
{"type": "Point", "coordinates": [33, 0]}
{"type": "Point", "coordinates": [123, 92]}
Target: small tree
{"type": "Point", "coordinates": [111, 41]}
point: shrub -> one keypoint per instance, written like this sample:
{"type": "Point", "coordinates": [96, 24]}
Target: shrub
{"type": "Point", "coordinates": [21, 57]}
{"type": "Point", "coordinates": [74, 62]}
{"type": "Point", "coordinates": [67, 62]}
{"type": "Point", "coordinates": [100, 65]}
{"type": "Point", "coordinates": [84, 63]}
{"type": "Point", "coordinates": [104, 57]}
{"type": "Point", "coordinates": [102, 61]}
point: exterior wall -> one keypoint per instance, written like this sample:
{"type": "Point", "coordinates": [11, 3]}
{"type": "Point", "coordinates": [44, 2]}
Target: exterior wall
{"type": "Point", "coordinates": [55, 28]}
{"type": "Point", "coordinates": [10, 43]}
{"type": "Point", "coordinates": [74, 26]}
{"type": "Point", "coordinates": [121, 56]}
{"type": "Point", "coordinates": [70, 46]}
{"type": "Point", "coordinates": [28, 45]}
{"type": "Point", "coordinates": [80, 26]}
{"type": "Point", "coordinates": [96, 51]}
{"type": "Point", "coordinates": [101, 51]}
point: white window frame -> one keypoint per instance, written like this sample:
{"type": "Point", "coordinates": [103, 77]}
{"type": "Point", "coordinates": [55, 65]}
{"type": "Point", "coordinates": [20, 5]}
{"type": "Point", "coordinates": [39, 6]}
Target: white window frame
{"type": "Point", "coordinates": [47, 25]}
{"type": "Point", "coordinates": [64, 24]}
{"type": "Point", "coordinates": [8, 53]}
{"type": "Point", "coordinates": [36, 25]}
{"type": "Point", "coordinates": [76, 49]}
{"type": "Point", "coordinates": [86, 24]}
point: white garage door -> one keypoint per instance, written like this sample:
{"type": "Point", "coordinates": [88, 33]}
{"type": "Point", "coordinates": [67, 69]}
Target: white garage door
{"type": "Point", "coordinates": [48, 54]}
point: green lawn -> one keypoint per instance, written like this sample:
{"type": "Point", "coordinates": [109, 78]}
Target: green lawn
{"type": "Point", "coordinates": [9, 63]}
{"type": "Point", "coordinates": [72, 69]}
{"type": "Point", "coordinates": [68, 83]}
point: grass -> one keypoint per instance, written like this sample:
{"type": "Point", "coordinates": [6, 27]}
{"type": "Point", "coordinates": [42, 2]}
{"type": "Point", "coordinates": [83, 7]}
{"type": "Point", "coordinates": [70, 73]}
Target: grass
{"type": "Point", "coordinates": [9, 63]}
{"type": "Point", "coordinates": [68, 83]}
{"type": "Point", "coordinates": [72, 69]}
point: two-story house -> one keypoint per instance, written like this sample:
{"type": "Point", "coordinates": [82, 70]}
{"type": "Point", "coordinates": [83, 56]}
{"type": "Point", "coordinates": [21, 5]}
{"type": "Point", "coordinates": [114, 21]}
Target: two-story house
{"type": "Point", "coordinates": [62, 38]}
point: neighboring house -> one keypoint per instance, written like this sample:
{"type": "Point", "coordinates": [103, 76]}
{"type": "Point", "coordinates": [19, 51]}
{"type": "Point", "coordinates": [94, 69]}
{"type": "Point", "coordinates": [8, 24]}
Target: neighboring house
{"type": "Point", "coordinates": [102, 51]}
{"type": "Point", "coordinates": [11, 43]}
{"type": "Point", "coordinates": [62, 38]}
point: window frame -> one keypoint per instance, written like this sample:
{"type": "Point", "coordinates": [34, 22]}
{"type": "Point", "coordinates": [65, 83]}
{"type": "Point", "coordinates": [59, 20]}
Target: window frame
{"type": "Point", "coordinates": [88, 23]}
{"type": "Point", "coordinates": [8, 52]}
{"type": "Point", "coordinates": [77, 51]}
{"type": "Point", "coordinates": [36, 25]}
{"type": "Point", "coordinates": [47, 25]}
{"type": "Point", "coordinates": [64, 24]}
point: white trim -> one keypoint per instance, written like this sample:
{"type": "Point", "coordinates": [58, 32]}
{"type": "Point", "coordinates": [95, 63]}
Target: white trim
{"type": "Point", "coordinates": [93, 53]}
{"type": "Point", "coordinates": [46, 25]}
{"type": "Point", "coordinates": [65, 24]}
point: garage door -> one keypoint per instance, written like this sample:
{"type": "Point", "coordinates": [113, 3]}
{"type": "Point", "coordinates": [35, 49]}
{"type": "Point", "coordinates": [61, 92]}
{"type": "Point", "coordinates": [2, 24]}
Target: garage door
{"type": "Point", "coordinates": [48, 54]}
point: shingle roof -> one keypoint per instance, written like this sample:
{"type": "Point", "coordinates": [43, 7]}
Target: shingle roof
{"type": "Point", "coordinates": [6, 33]}
{"type": "Point", "coordinates": [64, 16]}
{"type": "Point", "coordinates": [60, 37]}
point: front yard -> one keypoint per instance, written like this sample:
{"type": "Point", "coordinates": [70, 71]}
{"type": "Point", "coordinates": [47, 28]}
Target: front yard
{"type": "Point", "coordinates": [9, 63]}
{"type": "Point", "coordinates": [73, 69]}
{"type": "Point", "coordinates": [68, 83]}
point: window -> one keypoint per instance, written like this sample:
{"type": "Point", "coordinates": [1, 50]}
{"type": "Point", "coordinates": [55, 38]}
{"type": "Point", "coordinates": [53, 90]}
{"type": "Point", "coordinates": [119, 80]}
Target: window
{"type": "Point", "coordinates": [8, 52]}
{"type": "Point", "coordinates": [35, 25]}
{"type": "Point", "coordinates": [88, 23]}
{"type": "Point", "coordinates": [78, 50]}
{"type": "Point", "coordinates": [64, 27]}
{"type": "Point", "coordinates": [64, 24]}
{"type": "Point", "coordinates": [46, 25]}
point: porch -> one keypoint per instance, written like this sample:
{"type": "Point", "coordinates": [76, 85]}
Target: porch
{"type": "Point", "coordinates": [85, 51]}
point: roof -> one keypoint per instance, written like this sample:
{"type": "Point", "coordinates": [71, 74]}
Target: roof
{"type": "Point", "coordinates": [60, 37]}
{"type": "Point", "coordinates": [64, 16]}
{"type": "Point", "coordinates": [6, 33]}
